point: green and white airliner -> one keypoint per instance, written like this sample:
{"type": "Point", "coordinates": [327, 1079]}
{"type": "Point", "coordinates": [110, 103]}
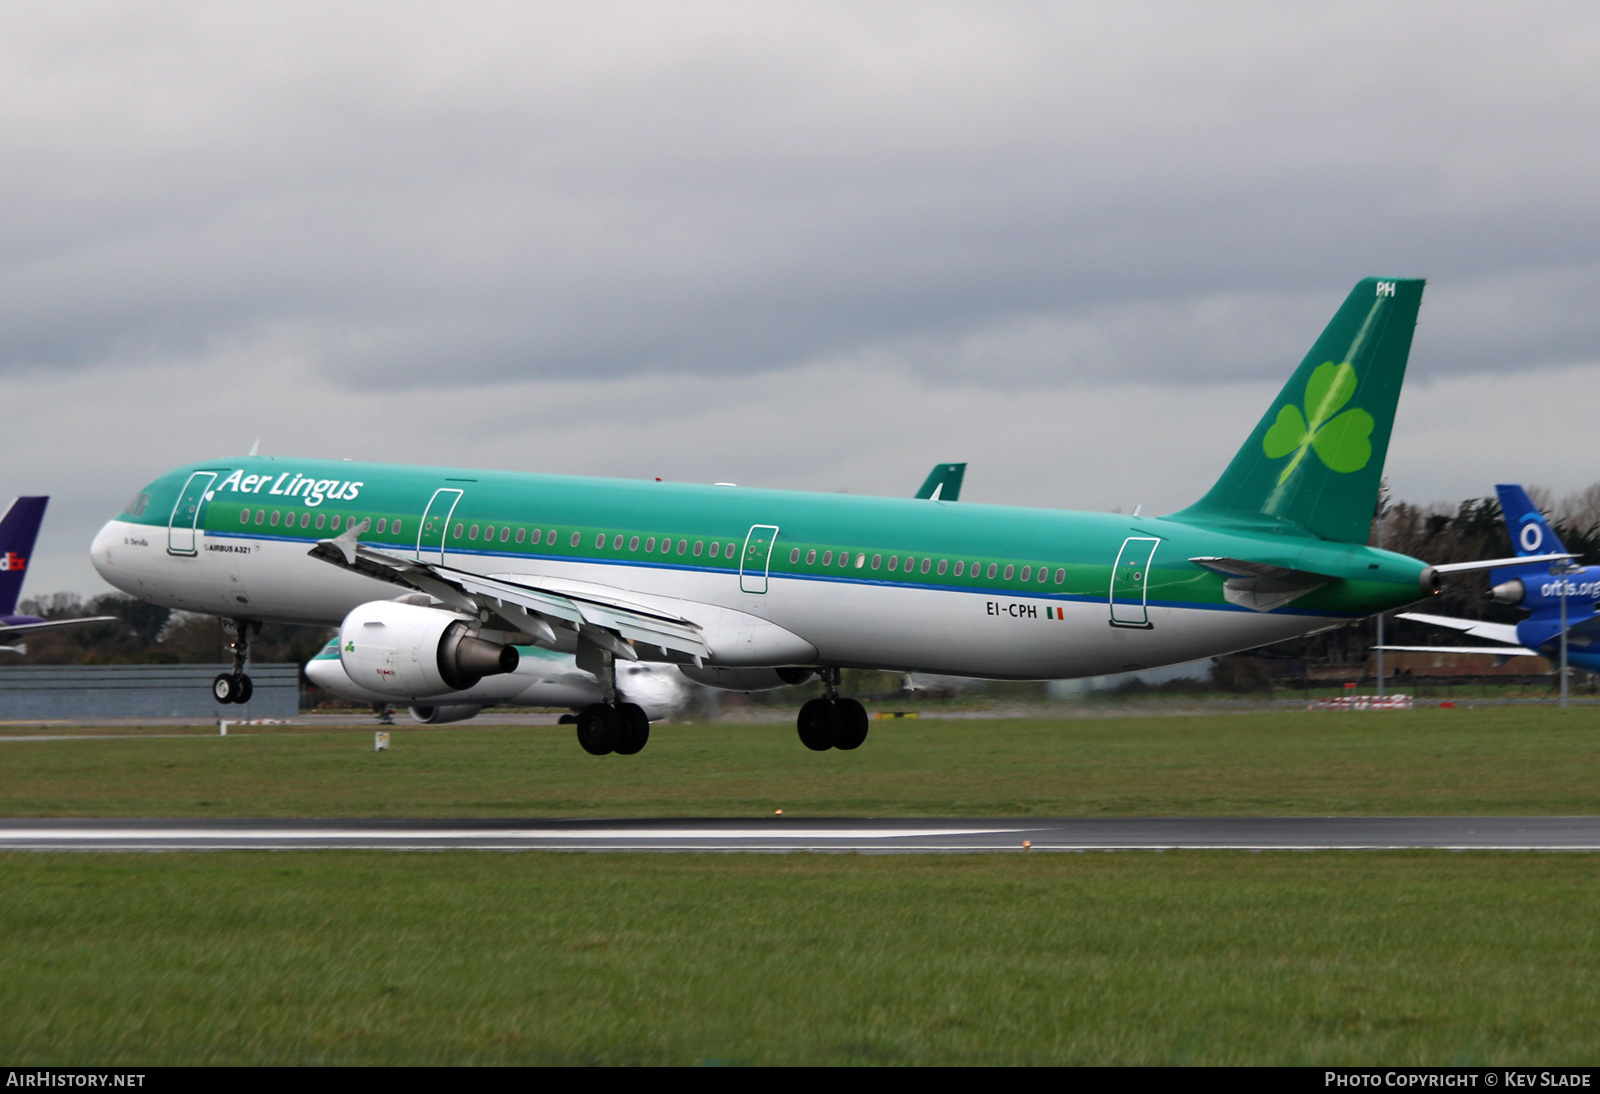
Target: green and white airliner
{"type": "Point", "coordinates": [434, 574]}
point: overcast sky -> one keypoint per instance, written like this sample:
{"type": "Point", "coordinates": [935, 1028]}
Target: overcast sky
{"type": "Point", "coordinates": [812, 246]}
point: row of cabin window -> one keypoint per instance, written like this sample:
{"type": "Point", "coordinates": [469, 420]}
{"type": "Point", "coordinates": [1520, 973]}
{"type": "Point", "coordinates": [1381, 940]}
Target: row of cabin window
{"type": "Point", "coordinates": [576, 539]}
{"type": "Point", "coordinates": [911, 565]}
{"type": "Point", "coordinates": [287, 517]}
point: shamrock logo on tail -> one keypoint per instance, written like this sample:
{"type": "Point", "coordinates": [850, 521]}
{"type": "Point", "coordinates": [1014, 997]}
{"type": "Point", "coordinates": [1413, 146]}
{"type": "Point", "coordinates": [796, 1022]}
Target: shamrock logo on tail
{"type": "Point", "coordinates": [1343, 441]}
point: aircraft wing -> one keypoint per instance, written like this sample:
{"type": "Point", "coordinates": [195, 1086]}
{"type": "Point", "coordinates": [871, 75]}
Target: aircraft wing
{"type": "Point", "coordinates": [1260, 586]}
{"type": "Point", "coordinates": [603, 620]}
{"type": "Point", "coordinates": [7, 630]}
{"type": "Point", "coordinates": [1475, 628]}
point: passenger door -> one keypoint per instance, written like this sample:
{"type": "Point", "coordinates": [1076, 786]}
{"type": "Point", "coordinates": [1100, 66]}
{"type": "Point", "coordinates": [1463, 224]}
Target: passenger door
{"type": "Point", "coordinates": [184, 524]}
{"type": "Point", "coordinates": [1130, 578]}
{"type": "Point", "coordinates": [436, 525]}
{"type": "Point", "coordinates": [756, 561]}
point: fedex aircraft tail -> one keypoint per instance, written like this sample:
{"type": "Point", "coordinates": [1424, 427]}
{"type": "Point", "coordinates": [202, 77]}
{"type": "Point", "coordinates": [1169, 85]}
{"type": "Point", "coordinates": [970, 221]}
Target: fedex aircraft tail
{"type": "Point", "coordinates": [1313, 463]}
{"type": "Point", "coordinates": [18, 529]}
{"type": "Point", "coordinates": [1530, 533]}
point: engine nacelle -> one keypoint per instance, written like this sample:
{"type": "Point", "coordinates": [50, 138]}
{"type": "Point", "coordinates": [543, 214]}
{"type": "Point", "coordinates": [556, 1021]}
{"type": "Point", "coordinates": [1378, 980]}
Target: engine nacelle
{"type": "Point", "coordinates": [445, 712]}
{"type": "Point", "coordinates": [1511, 592]}
{"type": "Point", "coordinates": [748, 679]}
{"type": "Point", "coordinates": [1431, 581]}
{"type": "Point", "coordinates": [411, 651]}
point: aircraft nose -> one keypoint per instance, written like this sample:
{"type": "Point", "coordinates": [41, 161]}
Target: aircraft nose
{"type": "Point", "coordinates": [326, 673]}
{"type": "Point", "coordinates": [102, 555]}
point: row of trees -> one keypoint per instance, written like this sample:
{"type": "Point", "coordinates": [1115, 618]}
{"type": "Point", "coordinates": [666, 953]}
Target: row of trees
{"type": "Point", "coordinates": [144, 633]}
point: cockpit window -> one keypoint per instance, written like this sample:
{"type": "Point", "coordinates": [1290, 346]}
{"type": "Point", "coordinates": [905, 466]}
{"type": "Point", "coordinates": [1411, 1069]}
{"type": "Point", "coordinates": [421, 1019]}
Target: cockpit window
{"type": "Point", "coordinates": [136, 506]}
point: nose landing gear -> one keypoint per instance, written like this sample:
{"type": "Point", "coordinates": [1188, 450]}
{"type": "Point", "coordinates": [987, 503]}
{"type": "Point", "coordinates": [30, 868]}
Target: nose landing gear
{"type": "Point", "coordinates": [235, 686]}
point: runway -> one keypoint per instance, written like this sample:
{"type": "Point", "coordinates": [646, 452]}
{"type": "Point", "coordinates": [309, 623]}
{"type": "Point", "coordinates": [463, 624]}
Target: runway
{"type": "Point", "coordinates": [780, 834]}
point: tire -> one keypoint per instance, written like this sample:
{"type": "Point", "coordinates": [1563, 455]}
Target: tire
{"type": "Point", "coordinates": [243, 689]}
{"type": "Point", "coordinates": [222, 688]}
{"type": "Point", "coordinates": [852, 724]}
{"type": "Point", "coordinates": [599, 729]}
{"type": "Point", "coordinates": [818, 725]}
{"type": "Point", "coordinates": [637, 732]}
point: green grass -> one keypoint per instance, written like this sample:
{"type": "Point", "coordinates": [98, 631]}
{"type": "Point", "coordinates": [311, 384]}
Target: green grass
{"type": "Point", "coordinates": [1497, 760]}
{"type": "Point", "coordinates": [1199, 958]}
{"type": "Point", "coordinates": [457, 957]}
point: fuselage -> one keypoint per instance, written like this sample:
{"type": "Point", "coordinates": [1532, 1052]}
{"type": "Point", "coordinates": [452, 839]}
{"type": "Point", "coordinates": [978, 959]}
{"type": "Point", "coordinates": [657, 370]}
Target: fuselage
{"type": "Point", "coordinates": [778, 577]}
{"type": "Point", "coordinates": [1542, 592]}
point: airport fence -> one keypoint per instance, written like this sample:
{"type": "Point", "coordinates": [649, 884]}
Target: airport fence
{"type": "Point", "coordinates": [77, 692]}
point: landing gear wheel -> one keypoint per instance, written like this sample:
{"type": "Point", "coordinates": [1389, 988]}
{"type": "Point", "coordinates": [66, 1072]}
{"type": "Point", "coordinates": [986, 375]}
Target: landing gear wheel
{"type": "Point", "coordinates": [223, 688]}
{"type": "Point", "coordinates": [637, 733]}
{"type": "Point", "coordinates": [852, 724]}
{"type": "Point", "coordinates": [818, 725]}
{"type": "Point", "coordinates": [600, 729]}
{"type": "Point", "coordinates": [243, 688]}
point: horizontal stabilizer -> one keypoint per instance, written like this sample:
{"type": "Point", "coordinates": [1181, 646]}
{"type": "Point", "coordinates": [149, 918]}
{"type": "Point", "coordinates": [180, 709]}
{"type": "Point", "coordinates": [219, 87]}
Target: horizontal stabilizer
{"type": "Point", "coordinates": [1475, 628]}
{"type": "Point", "coordinates": [1498, 651]}
{"type": "Point", "coordinates": [1491, 563]}
{"type": "Point", "coordinates": [1260, 586]}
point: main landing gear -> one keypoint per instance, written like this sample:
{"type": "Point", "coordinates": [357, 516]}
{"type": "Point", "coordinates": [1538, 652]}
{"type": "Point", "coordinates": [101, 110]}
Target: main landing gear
{"type": "Point", "coordinates": [623, 728]}
{"type": "Point", "coordinates": [612, 726]}
{"type": "Point", "coordinates": [235, 686]}
{"type": "Point", "coordinates": [832, 722]}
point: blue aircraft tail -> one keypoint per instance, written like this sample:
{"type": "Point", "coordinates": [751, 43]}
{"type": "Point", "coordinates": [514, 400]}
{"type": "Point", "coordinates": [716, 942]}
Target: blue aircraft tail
{"type": "Point", "coordinates": [1531, 534]}
{"type": "Point", "coordinates": [18, 529]}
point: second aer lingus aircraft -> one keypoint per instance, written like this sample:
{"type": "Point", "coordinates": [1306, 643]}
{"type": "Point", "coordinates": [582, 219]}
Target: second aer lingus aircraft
{"type": "Point", "coordinates": [743, 587]}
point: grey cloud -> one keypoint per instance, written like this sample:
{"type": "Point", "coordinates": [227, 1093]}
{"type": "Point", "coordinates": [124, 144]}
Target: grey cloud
{"type": "Point", "coordinates": [436, 197]}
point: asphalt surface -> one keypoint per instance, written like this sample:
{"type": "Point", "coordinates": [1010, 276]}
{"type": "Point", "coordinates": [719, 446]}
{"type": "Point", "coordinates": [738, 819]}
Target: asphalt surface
{"type": "Point", "coordinates": [779, 834]}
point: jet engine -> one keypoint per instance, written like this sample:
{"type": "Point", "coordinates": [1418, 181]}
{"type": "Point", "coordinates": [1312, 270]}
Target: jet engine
{"type": "Point", "coordinates": [747, 679]}
{"type": "Point", "coordinates": [411, 651]}
{"type": "Point", "coordinates": [1509, 592]}
{"type": "Point", "coordinates": [441, 713]}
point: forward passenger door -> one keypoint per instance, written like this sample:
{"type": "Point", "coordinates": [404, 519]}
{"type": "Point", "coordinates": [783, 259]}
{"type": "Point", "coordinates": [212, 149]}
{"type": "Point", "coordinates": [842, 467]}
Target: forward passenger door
{"type": "Point", "coordinates": [184, 524]}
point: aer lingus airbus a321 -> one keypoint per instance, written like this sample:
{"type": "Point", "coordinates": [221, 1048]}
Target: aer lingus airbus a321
{"type": "Point", "coordinates": [783, 586]}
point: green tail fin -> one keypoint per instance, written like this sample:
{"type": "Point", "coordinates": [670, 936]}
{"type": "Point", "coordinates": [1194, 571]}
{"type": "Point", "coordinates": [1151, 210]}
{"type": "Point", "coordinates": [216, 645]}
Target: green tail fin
{"type": "Point", "coordinates": [1313, 464]}
{"type": "Point", "coordinates": [944, 481]}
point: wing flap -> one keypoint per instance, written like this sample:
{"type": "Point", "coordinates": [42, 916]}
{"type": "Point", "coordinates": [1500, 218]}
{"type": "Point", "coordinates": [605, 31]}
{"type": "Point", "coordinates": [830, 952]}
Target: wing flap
{"type": "Point", "coordinates": [632, 621]}
{"type": "Point", "coordinates": [528, 608]}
